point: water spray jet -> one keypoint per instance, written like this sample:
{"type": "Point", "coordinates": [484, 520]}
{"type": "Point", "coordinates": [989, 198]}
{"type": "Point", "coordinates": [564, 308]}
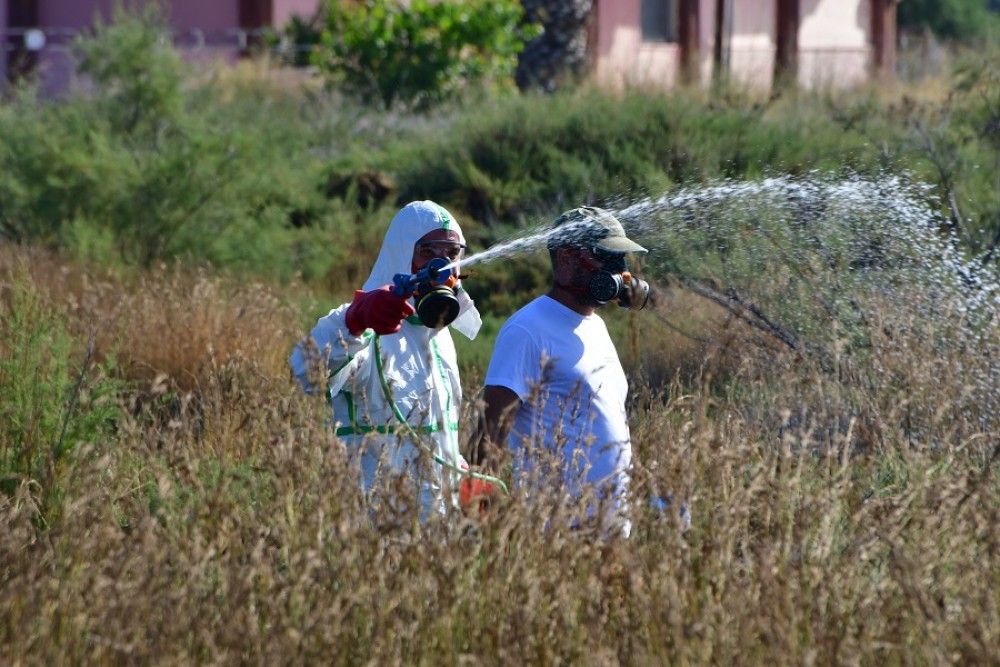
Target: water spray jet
{"type": "Point", "coordinates": [810, 259]}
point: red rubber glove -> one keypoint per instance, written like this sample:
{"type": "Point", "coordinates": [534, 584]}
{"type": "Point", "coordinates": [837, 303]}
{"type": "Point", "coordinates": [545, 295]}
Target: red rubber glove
{"type": "Point", "coordinates": [380, 309]}
{"type": "Point", "coordinates": [478, 494]}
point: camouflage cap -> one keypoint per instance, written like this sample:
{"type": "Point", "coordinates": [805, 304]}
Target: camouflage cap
{"type": "Point", "coordinates": [591, 226]}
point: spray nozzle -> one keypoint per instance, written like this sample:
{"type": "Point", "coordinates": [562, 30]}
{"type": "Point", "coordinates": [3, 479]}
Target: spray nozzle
{"type": "Point", "coordinates": [436, 273]}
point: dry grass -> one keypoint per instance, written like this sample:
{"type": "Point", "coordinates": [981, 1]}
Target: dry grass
{"type": "Point", "coordinates": [233, 532]}
{"type": "Point", "coordinates": [169, 326]}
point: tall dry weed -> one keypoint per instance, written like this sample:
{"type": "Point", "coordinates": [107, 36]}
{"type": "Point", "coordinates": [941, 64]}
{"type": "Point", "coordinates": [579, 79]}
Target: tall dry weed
{"type": "Point", "coordinates": [234, 532]}
{"type": "Point", "coordinates": [168, 326]}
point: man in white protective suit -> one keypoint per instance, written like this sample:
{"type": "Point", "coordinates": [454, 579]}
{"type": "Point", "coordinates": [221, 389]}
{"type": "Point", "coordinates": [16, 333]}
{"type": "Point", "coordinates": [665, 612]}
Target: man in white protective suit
{"type": "Point", "coordinates": [388, 361]}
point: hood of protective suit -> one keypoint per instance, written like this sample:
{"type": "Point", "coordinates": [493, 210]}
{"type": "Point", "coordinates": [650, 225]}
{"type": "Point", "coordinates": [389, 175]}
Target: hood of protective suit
{"type": "Point", "coordinates": [396, 255]}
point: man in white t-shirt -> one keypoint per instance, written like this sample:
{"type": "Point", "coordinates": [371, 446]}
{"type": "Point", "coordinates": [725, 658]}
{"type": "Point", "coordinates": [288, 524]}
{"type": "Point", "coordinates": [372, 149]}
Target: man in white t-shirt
{"type": "Point", "coordinates": [555, 390]}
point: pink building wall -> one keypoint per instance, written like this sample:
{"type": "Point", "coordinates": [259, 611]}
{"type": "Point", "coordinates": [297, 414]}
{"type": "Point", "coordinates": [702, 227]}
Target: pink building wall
{"type": "Point", "coordinates": [834, 44]}
{"type": "Point", "coordinates": [706, 37]}
{"type": "Point", "coordinates": [71, 13]}
{"type": "Point", "coordinates": [206, 30]}
{"type": "Point", "coordinates": [752, 42]}
{"type": "Point", "coordinates": [623, 58]}
{"type": "Point", "coordinates": [284, 10]}
{"type": "Point", "coordinates": [834, 39]}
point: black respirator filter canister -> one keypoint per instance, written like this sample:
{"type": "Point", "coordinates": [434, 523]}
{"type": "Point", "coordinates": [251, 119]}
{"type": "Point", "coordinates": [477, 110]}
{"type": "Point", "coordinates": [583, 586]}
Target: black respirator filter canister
{"type": "Point", "coordinates": [630, 291]}
{"type": "Point", "coordinates": [437, 305]}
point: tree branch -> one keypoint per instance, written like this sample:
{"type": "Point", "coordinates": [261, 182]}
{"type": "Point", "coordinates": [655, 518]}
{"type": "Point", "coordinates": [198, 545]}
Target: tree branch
{"type": "Point", "coordinates": [745, 310]}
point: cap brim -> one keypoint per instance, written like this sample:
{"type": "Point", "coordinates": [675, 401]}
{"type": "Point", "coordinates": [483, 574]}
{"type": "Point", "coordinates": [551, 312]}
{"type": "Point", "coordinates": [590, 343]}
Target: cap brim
{"type": "Point", "coordinates": [619, 244]}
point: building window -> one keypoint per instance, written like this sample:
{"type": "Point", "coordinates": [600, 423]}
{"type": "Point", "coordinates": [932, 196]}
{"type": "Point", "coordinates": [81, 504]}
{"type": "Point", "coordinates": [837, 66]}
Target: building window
{"type": "Point", "coordinates": [659, 20]}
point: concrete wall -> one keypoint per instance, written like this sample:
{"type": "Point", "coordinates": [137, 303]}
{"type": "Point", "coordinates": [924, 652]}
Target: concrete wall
{"type": "Point", "coordinates": [72, 13]}
{"type": "Point", "coordinates": [835, 42]}
{"type": "Point", "coordinates": [206, 30]}
{"type": "Point", "coordinates": [623, 58]}
{"type": "Point", "coordinates": [284, 10]}
{"type": "Point", "coordinates": [751, 42]}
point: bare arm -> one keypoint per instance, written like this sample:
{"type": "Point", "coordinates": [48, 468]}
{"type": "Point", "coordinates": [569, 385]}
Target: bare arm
{"type": "Point", "coordinates": [487, 445]}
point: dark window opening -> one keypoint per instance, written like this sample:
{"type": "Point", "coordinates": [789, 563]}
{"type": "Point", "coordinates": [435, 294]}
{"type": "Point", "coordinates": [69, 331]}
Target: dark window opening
{"type": "Point", "coordinates": [659, 20]}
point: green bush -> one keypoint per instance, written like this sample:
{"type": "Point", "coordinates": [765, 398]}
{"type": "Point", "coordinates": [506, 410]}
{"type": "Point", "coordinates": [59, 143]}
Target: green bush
{"type": "Point", "coordinates": [952, 19]}
{"type": "Point", "coordinates": [137, 70]}
{"type": "Point", "coordinates": [531, 156]}
{"type": "Point", "coordinates": [419, 52]}
{"type": "Point", "coordinates": [43, 178]}
{"type": "Point", "coordinates": [297, 41]}
{"type": "Point", "coordinates": [151, 166]}
{"type": "Point", "coordinates": [54, 396]}
{"type": "Point", "coordinates": [954, 144]}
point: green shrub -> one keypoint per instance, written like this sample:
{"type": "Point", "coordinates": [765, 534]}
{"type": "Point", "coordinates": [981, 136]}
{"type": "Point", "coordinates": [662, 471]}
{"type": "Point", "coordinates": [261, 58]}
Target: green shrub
{"type": "Point", "coordinates": [531, 156]}
{"type": "Point", "coordinates": [951, 19]}
{"type": "Point", "coordinates": [387, 51]}
{"type": "Point", "coordinates": [958, 145]}
{"type": "Point", "coordinates": [137, 70]}
{"type": "Point", "coordinates": [151, 166]}
{"type": "Point", "coordinates": [297, 41]}
{"type": "Point", "coordinates": [46, 176]}
{"type": "Point", "coordinates": [54, 396]}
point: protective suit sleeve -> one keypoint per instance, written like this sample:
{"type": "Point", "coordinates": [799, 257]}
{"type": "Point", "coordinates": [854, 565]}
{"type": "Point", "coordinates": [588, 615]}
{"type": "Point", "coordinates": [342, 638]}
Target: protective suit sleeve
{"type": "Point", "coordinates": [331, 345]}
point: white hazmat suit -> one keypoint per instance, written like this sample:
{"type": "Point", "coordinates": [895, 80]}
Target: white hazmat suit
{"type": "Point", "coordinates": [419, 365]}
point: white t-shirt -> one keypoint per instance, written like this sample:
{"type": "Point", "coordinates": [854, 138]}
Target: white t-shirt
{"type": "Point", "coordinates": [565, 369]}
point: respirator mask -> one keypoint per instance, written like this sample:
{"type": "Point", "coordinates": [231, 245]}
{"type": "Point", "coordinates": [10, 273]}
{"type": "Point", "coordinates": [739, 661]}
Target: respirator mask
{"type": "Point", "coordinates": [433, 288]}
{"type": "Point", "coordinates": [436, 302]}
{"type": "Point", "coordinates": [614, 281]}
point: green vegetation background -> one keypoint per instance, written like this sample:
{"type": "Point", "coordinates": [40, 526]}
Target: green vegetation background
{"type": "Point", "coordinates": [273, 176]}
{"type": "Point", "coordinates": [167, 493]}
{"type": "Point", "coordinates": [285, 181]}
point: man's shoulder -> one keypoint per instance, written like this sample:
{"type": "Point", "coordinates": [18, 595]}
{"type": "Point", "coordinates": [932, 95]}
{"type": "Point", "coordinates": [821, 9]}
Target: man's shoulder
{"type": "Point", "coordinates": [528, 316]}
{"type": "Point", "coordinates": [537, 306]}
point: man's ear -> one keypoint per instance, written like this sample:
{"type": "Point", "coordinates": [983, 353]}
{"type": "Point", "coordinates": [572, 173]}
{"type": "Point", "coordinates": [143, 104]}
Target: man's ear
{"type": "Point", "coordinates": [567, 264]}
{"type": "Point", "coordinates": [562, 260]}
